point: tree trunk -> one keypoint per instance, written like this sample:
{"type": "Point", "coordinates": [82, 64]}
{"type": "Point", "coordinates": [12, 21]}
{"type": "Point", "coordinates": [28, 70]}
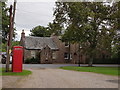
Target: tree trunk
{"type": "Point", "coordinates": [79, 55]}
{"type": "Point", "coordinates": [9, 41]}
{"type": "Point", "coordinates": [90, 62]}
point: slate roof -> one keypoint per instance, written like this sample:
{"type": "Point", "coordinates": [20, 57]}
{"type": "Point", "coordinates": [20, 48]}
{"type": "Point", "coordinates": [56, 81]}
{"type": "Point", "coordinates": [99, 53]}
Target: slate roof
{"type": "Point", "coordinates": [39, 42]}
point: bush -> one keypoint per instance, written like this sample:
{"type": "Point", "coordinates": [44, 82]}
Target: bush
{"type": "Point", "coordinates": [32, 61]}
{"type": "Point", "coordinates": [105, 61]}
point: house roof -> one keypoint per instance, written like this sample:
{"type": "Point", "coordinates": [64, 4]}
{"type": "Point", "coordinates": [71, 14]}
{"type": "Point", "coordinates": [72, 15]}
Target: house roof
{"type": "Point", "coordinates": [39, 42]}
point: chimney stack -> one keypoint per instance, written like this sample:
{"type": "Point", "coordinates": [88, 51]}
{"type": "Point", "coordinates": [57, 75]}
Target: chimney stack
{"type": "Point", "coordinates": [22, 38]}
{"type": "Point", "coordinates": [23, 34]}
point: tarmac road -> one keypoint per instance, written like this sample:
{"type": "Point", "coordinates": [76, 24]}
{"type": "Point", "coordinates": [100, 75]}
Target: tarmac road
{"type": "Point", "coordinates": [28, 66]}
{"type": "Point", "coordinates": [58, 78]}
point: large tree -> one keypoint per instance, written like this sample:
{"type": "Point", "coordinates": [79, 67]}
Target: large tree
{"type": "Point", "coordinates": [5, 21]}
{"type": "Point", "coordinates": [91, 24]}
{"type": "Point", "coordinates": [40, 31]}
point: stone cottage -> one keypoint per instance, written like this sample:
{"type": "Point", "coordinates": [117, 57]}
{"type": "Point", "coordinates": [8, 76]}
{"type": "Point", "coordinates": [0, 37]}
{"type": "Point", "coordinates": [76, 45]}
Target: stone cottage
{"type": "Point", "coordinates": [50, 49]}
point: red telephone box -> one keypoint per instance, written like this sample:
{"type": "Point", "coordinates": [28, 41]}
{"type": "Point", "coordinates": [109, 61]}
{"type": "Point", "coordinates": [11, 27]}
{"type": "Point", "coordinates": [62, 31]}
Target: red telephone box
{"type": "Point", "coordinates": [17, 59]}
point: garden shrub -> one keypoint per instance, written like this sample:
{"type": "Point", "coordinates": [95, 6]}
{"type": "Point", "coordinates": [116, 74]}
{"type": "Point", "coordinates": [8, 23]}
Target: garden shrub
{"type": "Point", "coordinates": [32, 61]}
{"type": "Point", "coordinates": [105, 61]}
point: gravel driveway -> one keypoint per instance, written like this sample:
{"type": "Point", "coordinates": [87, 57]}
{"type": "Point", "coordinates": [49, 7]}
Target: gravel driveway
{"type": "Point", "coordinates": [58, 78]}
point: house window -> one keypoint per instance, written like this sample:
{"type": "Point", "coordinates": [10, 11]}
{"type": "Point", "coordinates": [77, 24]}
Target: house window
{"type": "Point", "coordinates": [66, 56]}
{"type": "Point", "coordinates": [53, 55]}
{"type": "Point", "coordinates": [33, 53]}
{"type": "Point", "coordinates": [66, 44]}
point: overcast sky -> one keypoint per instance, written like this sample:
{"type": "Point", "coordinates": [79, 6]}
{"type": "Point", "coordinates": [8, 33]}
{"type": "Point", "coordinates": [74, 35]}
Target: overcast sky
{"type": "Point", "coordinates": [31, 14]}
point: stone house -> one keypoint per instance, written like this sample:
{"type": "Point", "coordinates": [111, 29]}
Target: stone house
{"type": "Point", "coordinates": [50, 49]}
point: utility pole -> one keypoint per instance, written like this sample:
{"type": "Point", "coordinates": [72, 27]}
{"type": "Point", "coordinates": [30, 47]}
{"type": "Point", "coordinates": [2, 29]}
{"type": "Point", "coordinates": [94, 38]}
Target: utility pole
{"type": "Point", "coordinates": [8, 43]}
{"type": "Point", "coordinates": [11, 31]}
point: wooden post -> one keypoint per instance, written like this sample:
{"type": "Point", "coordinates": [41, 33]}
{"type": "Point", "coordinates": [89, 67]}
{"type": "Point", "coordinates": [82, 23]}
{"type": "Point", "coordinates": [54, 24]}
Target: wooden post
{"type": "Point", "coordinates": [13, 14]}
{"type": "Point", "coordinates": [11, 31]}
{"type": "Point", "coordinates": [8, 45]}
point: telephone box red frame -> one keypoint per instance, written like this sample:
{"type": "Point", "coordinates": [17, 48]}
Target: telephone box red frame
{"type": "Point", "coordinates": [17, 59]}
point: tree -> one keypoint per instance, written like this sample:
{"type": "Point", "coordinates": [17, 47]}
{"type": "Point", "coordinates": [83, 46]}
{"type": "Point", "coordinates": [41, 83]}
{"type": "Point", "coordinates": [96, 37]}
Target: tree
{"type": "Point", "coordinates": [54, 28]}
{"type": "Point", "coordinates": [40, 31]}
{"type": "Point", "coordinates": [70, 15]}
{"type": "Point", "coordinates": [5, 21]}
{"type": "Point", "coordinates": [14, 43]}
{"type": "Point", "coordinates": [87, 23]}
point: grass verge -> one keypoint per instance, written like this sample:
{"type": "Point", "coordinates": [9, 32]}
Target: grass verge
{"type": "Point", "coordinates": [23, 73]}
{"type": "Point", "coordinates": [101, 70]}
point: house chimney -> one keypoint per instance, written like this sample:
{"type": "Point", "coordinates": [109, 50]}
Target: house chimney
{"type": "Point", "coordinates": [23, 34]}
{"type": "Point", "coordinates": [22, 38]}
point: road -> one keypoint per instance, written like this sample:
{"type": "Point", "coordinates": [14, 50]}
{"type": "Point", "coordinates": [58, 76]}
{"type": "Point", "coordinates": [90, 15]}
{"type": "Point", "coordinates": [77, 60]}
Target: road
{"type": "Point", "coordinates": [28, 66]}
{"type": "Point", "coordinates": [58, 78]}
{"type": "Point", "coordinates": [50, 76]}
{"type": "Point", "coordinates": [61, 65]}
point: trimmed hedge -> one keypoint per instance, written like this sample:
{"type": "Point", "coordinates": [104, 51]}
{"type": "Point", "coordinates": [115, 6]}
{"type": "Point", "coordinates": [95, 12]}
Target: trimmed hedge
{"type": "Point", "coordinates": [106, 61]}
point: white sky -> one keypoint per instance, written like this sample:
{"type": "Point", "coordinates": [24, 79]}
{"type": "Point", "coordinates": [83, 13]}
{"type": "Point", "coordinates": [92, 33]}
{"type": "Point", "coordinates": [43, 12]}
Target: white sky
{"type": "Point", "coordinates": [31, 14]}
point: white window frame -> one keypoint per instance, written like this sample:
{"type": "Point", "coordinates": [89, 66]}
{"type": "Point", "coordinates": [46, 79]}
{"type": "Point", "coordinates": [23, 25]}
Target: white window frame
{"type": "Point", "coordinates": [68, 56]}
{"type": "Point", "coordinates": [33, 53]}
{"type": "Point", "coordinates": [53, 55]}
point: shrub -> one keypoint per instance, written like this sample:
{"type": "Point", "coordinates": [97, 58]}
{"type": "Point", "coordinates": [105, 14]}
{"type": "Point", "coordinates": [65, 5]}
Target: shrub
{"type": "Point", "coordinates": [32, 61]}
{"type": "Point", "coordinates": [105, 61]}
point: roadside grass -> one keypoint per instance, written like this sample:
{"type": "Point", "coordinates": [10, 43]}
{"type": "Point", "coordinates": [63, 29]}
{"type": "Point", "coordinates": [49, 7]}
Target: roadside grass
{"type": "Point", "coordinates": [23, 73]}
{"type": "Point", "coordinates": [101, 70]}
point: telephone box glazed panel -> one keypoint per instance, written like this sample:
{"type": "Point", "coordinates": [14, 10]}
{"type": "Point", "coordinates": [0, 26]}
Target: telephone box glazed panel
{"type": "Point", "coordinates": [17, 59]}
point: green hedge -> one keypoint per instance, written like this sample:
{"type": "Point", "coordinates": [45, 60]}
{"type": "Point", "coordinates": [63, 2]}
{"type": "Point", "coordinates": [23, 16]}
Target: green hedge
{"type": "Point", "coordinates": [106, 61]}
{"type": "Point", "coordinates": [32, 61]}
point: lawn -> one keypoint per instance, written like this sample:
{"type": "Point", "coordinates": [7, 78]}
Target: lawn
{"type": "Point", "coordinates": [101, 70]}
{"type": "Point", "coordinates": [23, 73]}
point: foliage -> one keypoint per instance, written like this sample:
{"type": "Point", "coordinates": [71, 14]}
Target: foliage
{"type": "Point", "coordinates": [5, 22]}
{"type": "Point", "coordinates": [32, 61]}
{"type": "Point", "coordinates": [54, 28]}
{"type": "Point", "coordinates": [91, 24]}
{"type": "Point", "coordinates": [15, 43]}
{"type": "Point", "coordinates": [23, 73]}
{"type": "Point", "coordinates": [101, 70]}
{"type": "Point", "coordinates": [4, 45]}
{"type": "Point", "coordinates": [106, 61]}
{"type": "Point", "coordinates": [40, 31]}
